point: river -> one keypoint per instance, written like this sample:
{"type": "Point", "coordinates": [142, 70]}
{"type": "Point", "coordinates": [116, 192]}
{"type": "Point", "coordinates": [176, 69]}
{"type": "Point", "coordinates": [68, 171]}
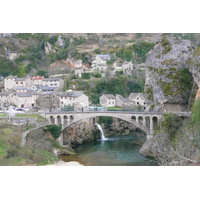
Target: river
{"type": "Point", "coordinates": [113, 151]}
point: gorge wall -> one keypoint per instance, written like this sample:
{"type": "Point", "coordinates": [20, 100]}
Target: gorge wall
{"type": "Point", "coordinates": [171, 72]}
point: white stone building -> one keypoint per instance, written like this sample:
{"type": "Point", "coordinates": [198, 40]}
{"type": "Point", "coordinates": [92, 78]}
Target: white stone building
{"type": "Point", "coordinates": [14, 81]}
{"type": "Point", "coordinates": [53, 82]}
{"type": "Point", "coordinates": [24, 99]}
{"type": "Point", "coordinates": [108, 100]}
{"type": "Point", "coordinates": [100, 62]}
{"type": "Point", "coordinates": [72, 98]}
{"type": "Point", "coordinates": [139, 99]}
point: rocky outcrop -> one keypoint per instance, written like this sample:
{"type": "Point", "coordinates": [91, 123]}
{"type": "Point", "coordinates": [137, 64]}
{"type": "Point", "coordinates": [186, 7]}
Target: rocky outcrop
{"type": "Point", "coordinates": [79, 133]}
{"type": "Point", "coordinates": [48, 48]}
{"type": "Point", "coordinates": [168, 75]}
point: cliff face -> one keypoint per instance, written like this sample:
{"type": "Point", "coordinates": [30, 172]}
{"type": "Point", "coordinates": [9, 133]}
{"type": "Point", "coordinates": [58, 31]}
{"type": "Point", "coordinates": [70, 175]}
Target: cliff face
{"type": "Point", "coordinates": [169, 73]}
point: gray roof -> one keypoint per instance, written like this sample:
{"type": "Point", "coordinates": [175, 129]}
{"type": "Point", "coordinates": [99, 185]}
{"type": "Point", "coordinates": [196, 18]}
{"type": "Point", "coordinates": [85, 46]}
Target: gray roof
{"type": "Point", "coordinates": [69, 94]}
{"type": "Point", "coordinates": [20, 79]}
{"type": "Point", "coordinates": [6, 93]}
{"type": "Point", "coordinates": [140, 95]}
{"type": "Point", "coordinates": [110, 96]}
{"type": "Point", "coordinates": [21, 88]}
{"type": "Point", "coordinates": [51, 79]}
{"type": "Point", "coordinates": [23, 94]}
{"type": "Point", "coordinates": [47, 88]}
{"type": "Point", "coordinates": [126, 100]}
{"type": "Point", "coordinates": [10, 77]}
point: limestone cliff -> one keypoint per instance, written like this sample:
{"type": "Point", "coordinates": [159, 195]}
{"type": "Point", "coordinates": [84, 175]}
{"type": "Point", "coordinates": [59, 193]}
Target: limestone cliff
{"type": "Point", "coordinates": [169, 79]}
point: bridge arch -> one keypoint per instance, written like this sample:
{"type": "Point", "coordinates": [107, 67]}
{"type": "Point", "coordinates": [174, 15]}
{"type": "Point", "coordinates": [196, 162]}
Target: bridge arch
{"type": "Point", "coordinates": [59, 120]}
{"type": "Point", "coordinates": [52, 120]}
{"type": "Point", "coordinates": [130, 119]}
{"type": "Point", "coordinates": [155, 121]}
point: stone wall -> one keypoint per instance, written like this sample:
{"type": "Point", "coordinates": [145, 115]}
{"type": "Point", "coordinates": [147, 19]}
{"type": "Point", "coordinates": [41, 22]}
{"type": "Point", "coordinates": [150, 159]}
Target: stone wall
{"type": "Point", "coordinates": [80, 132]}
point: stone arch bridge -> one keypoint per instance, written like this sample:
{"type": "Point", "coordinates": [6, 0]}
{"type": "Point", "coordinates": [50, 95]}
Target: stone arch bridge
{"type": "Point", "coordinates": [146, 121]}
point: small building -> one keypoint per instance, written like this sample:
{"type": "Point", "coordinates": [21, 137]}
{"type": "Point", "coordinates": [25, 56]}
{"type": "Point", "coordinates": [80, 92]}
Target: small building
{"type": "Point", "coordinates": [139, 99]}
{"type": "Point", "coordinates": [100, 62]}
{"type": "Point", "coordinates": [53, 82]}
{"type": "Point", "coordinates": [108, 100]}
{"type": "Point", "coordinates": [72, 98]}
{"type": "Point", "coordinates": [24, 99]}
{"type": "Point", "coordinates": [123, 102]}
{"type": "Point", "coordinates": [5, 97]}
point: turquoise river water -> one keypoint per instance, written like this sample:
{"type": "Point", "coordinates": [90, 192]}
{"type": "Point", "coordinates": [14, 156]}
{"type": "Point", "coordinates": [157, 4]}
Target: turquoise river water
{"type": "Point", "coordinates": [113, 151]}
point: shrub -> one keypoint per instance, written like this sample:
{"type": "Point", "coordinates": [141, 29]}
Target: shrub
{"type": "Point", "coordinates": [54, 130]}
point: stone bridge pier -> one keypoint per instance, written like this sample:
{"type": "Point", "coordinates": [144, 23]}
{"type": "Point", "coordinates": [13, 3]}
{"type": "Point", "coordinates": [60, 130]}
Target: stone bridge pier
{"type": "Point", "coordinates": [146, 121]}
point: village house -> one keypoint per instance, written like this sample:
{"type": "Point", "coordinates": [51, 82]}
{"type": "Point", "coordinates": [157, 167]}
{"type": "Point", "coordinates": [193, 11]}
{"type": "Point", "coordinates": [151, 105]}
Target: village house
{"type": "Point", "coordinates": [5, 97]}
{"type": "Point", "coordinates": [132, 102]}
{"type": "Point", "coordinates": [53, 82]}
{"type": "Point", "coordinates": [72, 98]}
{"type": "Point", "coordinates": [139, 99]}
{"type": "Point", "coordinates": [108, 100]}
{"type": "Point", "coordinates": [27, 82]}
{"type": "Point", "coordinates": [24, 99]}
{"type": "Point", "coordinates": [123, 102]}
{"type": "Point", "coordinates": [100, 62]}
{"type": "Point", "coordinates": [47, 101]}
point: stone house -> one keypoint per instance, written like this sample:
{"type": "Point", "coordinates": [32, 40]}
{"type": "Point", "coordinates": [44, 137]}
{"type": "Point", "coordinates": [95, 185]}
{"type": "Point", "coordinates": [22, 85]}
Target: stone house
{"type": "Point", "coordinates": [100, 62]}
{"type": "Point", "coordinates": [72, 98]}
{"type": "Point", "coordinates": [108, 100]}
{"type": "Point", "coordinates": [124, 102]}
{"type": "Point", "coordinates": [47, 101]}
{"type": "Point", "coordinates": [53, 82]}
{"type": "Point", "coordinates": [5, 97]}
{"type": "Point", "coordinates": [24, 99]}
{"type": "Point", "coordinates": [14, 81]}
{"type": "Point", "coordinates": [139, 99]}
{"type": "Point", "coordinates": [133, 101]}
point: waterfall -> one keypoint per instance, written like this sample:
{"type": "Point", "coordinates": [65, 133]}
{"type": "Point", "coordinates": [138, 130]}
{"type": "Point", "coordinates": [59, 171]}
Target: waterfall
{"type": "Point", "coordinates": [102, 133]}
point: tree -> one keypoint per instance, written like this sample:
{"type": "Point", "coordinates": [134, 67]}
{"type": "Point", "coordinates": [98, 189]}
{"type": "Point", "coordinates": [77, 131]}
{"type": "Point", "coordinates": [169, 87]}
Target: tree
{"type": "Point", "coordinates": [54, 130]}
{"type": "Point", "coordinates": [21, 71]}
{"type": "Point", "coordinates": [128, 55]}
{"type": "Point", "coordinates": [42, 73]}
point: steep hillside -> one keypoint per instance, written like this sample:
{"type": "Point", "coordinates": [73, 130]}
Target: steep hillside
{"type": "Point", "coordinates": [170, 68]}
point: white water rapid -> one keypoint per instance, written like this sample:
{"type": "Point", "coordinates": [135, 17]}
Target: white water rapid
{"type": "Point", "coordinates": [102, 133]}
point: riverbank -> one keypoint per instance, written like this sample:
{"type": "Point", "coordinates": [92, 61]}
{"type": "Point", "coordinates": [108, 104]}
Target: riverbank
{"type": "Point", "coordinates": [62, 163]}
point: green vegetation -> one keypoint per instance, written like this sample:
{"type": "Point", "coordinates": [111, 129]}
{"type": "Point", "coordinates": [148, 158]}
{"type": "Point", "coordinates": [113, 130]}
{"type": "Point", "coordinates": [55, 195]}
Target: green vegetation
{"type": "Point", "coordinates": [168, 62]}
{"type": "Point", "coordinates": [165, 44]}
{"type": "Point", "coordinates": [8, 67]}
{"type": "Point", "coordinates": [197, 51]}
{"type": "Point", "coordinates": [42, 73]}
{"type": "Point", "coordinates": [107, 121]}
{"type": "Point", "coordinates": [2, 115]}
{"type": "Point", "coordinates": [136, 51]}
{"type": "Point", "coordinates": [54, 130]}
{"type": "Point", "coordinates": [38, 117]}
{"type": "Point", "coordinates": [86, 76]}
{"type": "Point", "coordinates": [38, 150]}
{"type": "Point", "coordinates": [179, 82]}
{"type": "Point", "coordinates": [120, 85]}
{"type": "Point", "coordinates": [114, 109]}
{"type": "Point", "coordinates": [149, 91]}
{"type": "Point", "coordinates": [171, 124]}
{"type": "Point", "coordinates": [67, 108]}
